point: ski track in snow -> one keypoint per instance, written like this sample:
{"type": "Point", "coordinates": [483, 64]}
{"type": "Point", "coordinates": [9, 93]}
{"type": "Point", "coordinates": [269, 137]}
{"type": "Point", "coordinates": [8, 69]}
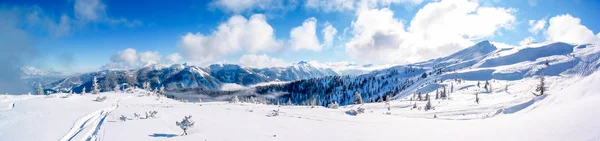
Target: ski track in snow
{"type": "Point", "coordinates": [93, 120]}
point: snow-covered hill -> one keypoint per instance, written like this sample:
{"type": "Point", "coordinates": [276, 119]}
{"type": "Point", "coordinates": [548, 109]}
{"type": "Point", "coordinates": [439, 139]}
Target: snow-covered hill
{"type": "Point", "coordinates": [481, 62]}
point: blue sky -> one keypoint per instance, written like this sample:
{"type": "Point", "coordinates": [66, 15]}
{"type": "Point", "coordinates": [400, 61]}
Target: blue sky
{"type": "Point", "coordinates": [85, 35]}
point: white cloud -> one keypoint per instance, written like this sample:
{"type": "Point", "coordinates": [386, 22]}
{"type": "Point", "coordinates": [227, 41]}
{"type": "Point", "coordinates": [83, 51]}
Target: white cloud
{"type": "Point", "coordinates": [305, 36]}
{"type": "Point", "coordinates": [149, 57]}
{"type": "Point", "coordinates": [261, 61]}
{"type": "Point", "coordinates": [537, 26]}
{"type": "Point", "coordinates": [89, 10]}
{"type": "Point", "coordinates": [438, 29]}
{"type": "Point", "coordinates": [239, 6]}
{"type": "Point", "coordinates": [527, 41]}
{"type": "Point", "coordinates": [566, 28]}
{"type": "Point", "coordinates": [128, 56]}
{"type": "Point", "coordinates": [351, 5]}
{"type": "Point", "coordinates": [331, 5]}
{"type": "Point", "coordinates": [328, 34]}
{"type": "Point", "coordinates": [237, 34]}
{"type": "Point", "coordinates": [173, 58]}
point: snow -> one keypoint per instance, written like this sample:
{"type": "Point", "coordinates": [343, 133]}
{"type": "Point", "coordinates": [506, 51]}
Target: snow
{"type": "Point", "coordinates": [508, 111]}
{"type": "Point", "coordinates": [564, 114]}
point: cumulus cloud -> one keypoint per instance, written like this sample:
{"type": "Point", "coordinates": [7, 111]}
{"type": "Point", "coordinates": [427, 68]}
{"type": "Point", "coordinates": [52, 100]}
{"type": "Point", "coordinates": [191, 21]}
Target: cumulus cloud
{"type": "Point", "coordinates": [305, 36]}
{"type": "Point", "coordinates": [527, 41]}
{"type": "Point", "coordinates": [128, 56]}
{"type": "Point", "coordinates": [173, 58]}
{"type": "Point", "coordinates": [149, 57]}
{"type": "Point", "coordinates": [537, 26]}
{"type": "Point", "coordinates": [237, 34]}
{"type": "Point", "coordinates": [438, 29]}
{"type": "Point", "coordinates": [328, 34]}
{"type": "Point", "coordinates": [566, 28]}
{"type": "Point", "coordinates": [261, 61]}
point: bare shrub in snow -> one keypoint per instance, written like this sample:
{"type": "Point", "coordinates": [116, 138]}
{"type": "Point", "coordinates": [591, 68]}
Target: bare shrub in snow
{"type": "Point", "coordinates": [123, 118]}
{"type": "Point", "coordinates": [151, 114]}
{"type": "Point", "coordinates": [185, 124]}
{"type": "Point", "coordinates": [100, 99]}
{"type": "Point", "coordinates": [274, 113]}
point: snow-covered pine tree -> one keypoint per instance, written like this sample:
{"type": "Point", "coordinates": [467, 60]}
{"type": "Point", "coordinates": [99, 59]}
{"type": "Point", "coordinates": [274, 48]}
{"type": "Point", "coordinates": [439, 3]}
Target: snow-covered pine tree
{"type": "Point", "coordinates": [427, 97]}
{"type": "Point", "coordinates": [161, 90]}
{"type": "Point", "coordinates": [185, 124]}
{"type": "Point", "coordinates": [40, 89]}
{"type": "Point", "coordinates": [478, 84]}
{"type": "Point", "coordinates": [289, 102]}
{"type": "Point", "coordinates": [95, 87]}
{"type": "Point", "coordinates": [313, 102]}
{"type": "Point", "coordinates": [419, 98]}
{"type": "Point", "coordinates": [357, 98]}
{"type": "Point", "coordinates": [83, 91]}
{"type": "Point", "coordinates": [117, 89]}
{"type": "Point", "coordinates": [541, 87]}
{"type": "Point", "coordinates": [380, 99]}
{"type": "Point", "coordinates": [388, 98]}
{"type": "Point", "coordinates": [235, 99]}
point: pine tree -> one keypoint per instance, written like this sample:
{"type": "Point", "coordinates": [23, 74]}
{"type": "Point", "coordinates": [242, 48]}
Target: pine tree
{"type": "Point", "coordinates": [83, 91]}
{"type": "Point", "coordinates": [437, 94]}
{"type": "Point", "coordinates": [541, 87]}
{"type": "Point", "coordinates": [477, 97]}
{"type": "Point", "coordinates": [117, 89]}
{"type": "Point", "coordinates": [419, 98]}
{"type": "Point", "coordinates": [357, 98]}
{"type": "Point", "coordinates": [428, 105]}
{"type": "Point", "coordinates": [478, 84]}
{"type": "Point", "coordinates": [40, 89]}
{"type": "Point", "coordinates": [289, 102]}
{"type": "Point", "coordinates": [485, 86]}
{"type": "Point", "coordinates": [161, 90]}
{"type": "Point", "coordinates": [95, 87]}
{"type": "Point", "coordinates": [451, 87]}
{"type": "Point", "coordinates": [380, 99]}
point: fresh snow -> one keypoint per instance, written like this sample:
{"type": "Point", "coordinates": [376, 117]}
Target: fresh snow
{"type": "Point", "coordinates": [508, 111]}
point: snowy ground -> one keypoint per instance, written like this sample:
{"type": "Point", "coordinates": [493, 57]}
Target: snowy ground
{"type": "Point", "coordinates": [567, 113]}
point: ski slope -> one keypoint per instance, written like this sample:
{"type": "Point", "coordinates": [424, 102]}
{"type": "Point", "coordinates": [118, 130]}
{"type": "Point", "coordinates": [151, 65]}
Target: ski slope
{"type": "Point", "coordinates": [567, 113]}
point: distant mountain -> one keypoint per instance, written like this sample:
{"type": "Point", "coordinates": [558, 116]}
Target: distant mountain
{"type": "Point", "coordinates": [186, 76]}
{"type": "Point", "coordinates": [31, 71]}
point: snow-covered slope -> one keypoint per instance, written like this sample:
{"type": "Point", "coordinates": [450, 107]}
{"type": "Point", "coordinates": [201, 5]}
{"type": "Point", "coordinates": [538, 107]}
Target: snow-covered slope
{"type": "Point", "coordinates": [481, 62]}
{"type": "Point", "coordinates": [566, 113]}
